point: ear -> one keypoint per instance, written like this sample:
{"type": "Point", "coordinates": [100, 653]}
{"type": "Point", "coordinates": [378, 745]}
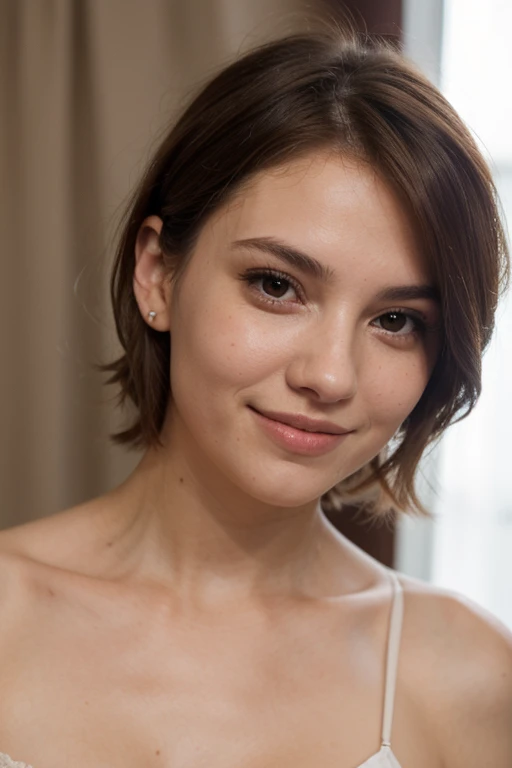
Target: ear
{"type": "Point", "coordinates": [151, 284]}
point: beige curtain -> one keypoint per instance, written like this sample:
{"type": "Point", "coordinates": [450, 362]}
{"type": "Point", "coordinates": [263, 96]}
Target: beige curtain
{"type": "Point", "coordinates": [85, 88]}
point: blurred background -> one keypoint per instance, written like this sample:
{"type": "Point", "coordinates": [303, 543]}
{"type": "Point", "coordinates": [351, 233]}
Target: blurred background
{"type": "Point", "coordinates": [86, 89]}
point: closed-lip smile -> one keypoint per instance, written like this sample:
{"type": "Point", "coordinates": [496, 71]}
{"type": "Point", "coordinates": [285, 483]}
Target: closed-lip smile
{"type": "Point", "coordinates": [307, 424]}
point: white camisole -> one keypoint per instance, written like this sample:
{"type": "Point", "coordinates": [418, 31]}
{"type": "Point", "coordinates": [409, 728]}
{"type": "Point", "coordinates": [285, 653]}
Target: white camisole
{"type": "Point", "coordinates": [384, 758]}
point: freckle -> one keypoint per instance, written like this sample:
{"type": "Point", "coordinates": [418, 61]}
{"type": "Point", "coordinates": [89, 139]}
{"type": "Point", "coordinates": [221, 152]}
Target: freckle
{"type": "Point", "coordinates": [181, 479]}
{"type": "Point", "coordinates": [109, 543]}
{"type": "Point", "coordinates": [87, 702]}
{"type": "Point", "coordinates": [51, 592]}
{"type": "Point", "coordinates": [157, 752]}
{"type": "Point", "coordinates": [232, 344]}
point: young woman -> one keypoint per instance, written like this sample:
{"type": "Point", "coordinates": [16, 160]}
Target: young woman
{"type": "Point", "coordinates": [305, 284]}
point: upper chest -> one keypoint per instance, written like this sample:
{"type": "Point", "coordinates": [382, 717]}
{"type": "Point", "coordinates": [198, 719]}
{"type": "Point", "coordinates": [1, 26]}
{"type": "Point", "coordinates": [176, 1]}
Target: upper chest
{"type": "Point", "coordinates": [122, 687]}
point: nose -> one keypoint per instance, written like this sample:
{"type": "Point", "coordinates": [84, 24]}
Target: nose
{"type": "Point", "coordinates": [324, 364]}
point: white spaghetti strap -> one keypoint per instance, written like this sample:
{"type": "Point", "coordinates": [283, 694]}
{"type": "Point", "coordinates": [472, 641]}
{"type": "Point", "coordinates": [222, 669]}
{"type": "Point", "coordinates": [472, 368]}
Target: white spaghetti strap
{"type": "Point", "coordinates": [395, 631]}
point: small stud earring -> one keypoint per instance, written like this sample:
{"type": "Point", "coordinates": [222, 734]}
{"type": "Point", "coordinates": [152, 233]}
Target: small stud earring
{"type": "Point", "coordinates": [151, 316]}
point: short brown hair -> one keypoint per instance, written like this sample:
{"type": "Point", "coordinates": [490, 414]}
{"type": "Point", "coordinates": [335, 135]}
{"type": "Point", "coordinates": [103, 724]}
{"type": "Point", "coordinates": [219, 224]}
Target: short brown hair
{"type": "Point", "coordinates": [288, 98]}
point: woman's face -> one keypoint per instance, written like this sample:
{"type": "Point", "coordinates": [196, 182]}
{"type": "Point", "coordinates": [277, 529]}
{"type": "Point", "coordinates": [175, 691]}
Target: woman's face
{"type": "Point", "coordinates": [304, 297]}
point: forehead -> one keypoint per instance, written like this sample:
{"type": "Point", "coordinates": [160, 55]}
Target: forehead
{"type": "Point", "coordinates": [333, 207]}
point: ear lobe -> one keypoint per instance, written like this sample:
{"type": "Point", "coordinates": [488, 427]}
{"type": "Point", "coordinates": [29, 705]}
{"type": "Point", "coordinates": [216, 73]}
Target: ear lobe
{"type": "Point", "coordinates": [150, 275]}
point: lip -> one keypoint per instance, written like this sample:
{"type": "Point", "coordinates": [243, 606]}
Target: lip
{"type": "Point", "coordinates": [301, 439]}
{"type": "Point", "coordinates": [305, 423]}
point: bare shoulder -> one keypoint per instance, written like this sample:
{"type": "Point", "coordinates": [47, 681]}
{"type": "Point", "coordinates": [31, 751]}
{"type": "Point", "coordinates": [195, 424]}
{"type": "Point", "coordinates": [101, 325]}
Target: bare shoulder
{"type": "Point", "coordinates": [61, 552]}
{"type": "Point", "coordinates": [52, 547]}
{"type": "Point", "coordinates": [23, 548]}
{"type": "Point", "coordinates": [61, 540]}
{"type": "Point", "coordinates": [460, 657]}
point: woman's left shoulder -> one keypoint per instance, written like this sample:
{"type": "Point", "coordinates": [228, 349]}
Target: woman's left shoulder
{"type": "Point", "coordinates": [461, 656]}
{"type": "Point", "coordinates": [454, 618]}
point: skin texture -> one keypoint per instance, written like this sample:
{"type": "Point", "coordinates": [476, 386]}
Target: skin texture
{"type": "Point", "coordinates": [206, 612]}
{"type": "Point", "coordinates": [320, 352]}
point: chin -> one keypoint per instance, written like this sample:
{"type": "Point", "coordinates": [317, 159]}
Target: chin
{"type": "Point", "coordinates": [290, 490]}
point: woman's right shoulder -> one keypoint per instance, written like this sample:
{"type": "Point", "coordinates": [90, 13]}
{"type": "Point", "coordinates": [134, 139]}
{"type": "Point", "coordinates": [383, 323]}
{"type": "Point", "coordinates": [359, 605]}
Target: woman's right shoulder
{"type": "Point", "coordinates": [16, 596]}
{"type": "Point", "coordinates": [33, 552]}
{"type": "Point", "coordinates": [37, 560]}
{"type": "Point", "coordinates": [58, 539]}
{"type": "Point", "coordinates": [17, 555]}
{"type": "Point", "coordinates": [23, 556]}
{"type": "Point", "coordinates": [22, 548]}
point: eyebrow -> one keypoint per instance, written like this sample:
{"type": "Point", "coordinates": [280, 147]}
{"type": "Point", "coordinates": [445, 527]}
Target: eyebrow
{"type": "Point", "coordinates": [307, 264]}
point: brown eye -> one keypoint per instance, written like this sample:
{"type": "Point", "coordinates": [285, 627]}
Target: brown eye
{"type": "Point", "coordinates": [275, 287]}
{"type": "Point", "coordinates": [393, 321]}
{"type": "Point", "coordinates": [400, 324]}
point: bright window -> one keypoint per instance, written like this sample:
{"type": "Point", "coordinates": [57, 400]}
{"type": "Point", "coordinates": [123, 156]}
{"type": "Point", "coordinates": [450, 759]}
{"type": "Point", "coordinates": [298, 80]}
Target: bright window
{"type": "Point", "coordinates": [472, 538]}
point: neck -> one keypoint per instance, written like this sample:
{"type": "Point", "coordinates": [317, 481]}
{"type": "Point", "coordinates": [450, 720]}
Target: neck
{"type": "Point", "coordinates": [181, 524]}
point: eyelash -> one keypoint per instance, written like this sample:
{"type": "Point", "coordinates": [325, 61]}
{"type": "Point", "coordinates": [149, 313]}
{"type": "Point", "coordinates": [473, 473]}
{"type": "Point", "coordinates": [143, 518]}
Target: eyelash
{"type": "Point", "coordinates": [252, 276]}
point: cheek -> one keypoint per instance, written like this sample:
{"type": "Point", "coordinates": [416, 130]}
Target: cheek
{"type": "Point", "coordinates": [399, 384]}
{"type": "Point", "coordinates": [221, 346]}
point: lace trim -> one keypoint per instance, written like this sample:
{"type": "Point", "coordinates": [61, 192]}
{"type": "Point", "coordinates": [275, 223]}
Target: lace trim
{"type": "Point", "coordinates": [7, 762]}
